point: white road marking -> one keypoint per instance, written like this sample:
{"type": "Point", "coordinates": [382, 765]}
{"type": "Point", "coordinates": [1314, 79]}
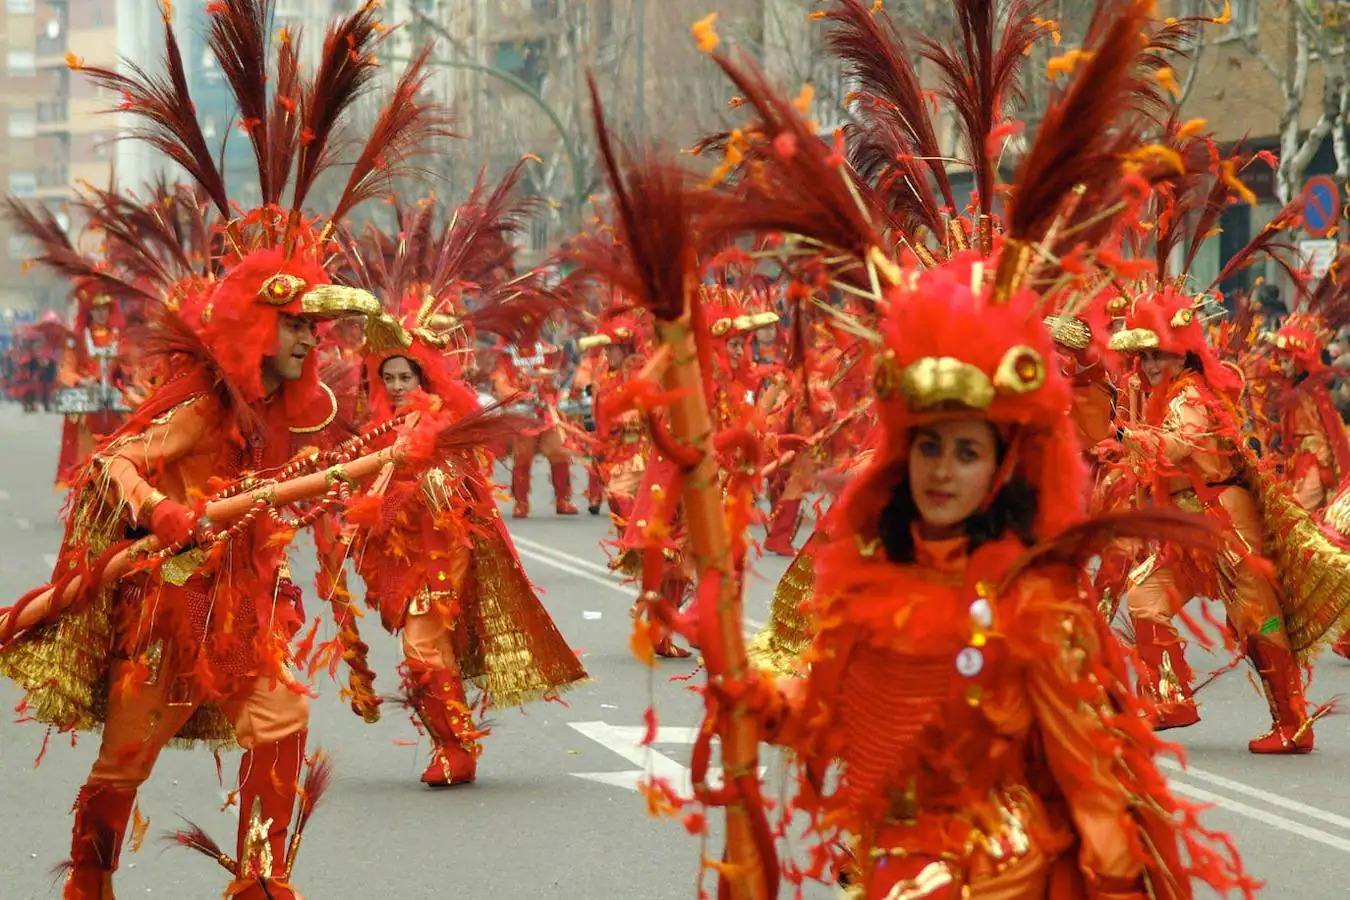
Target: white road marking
{"type": "Point", "coordinates": [1261, 815]}
{"type": "Point", "coordinates": [1256, 793]}
{"type": "Point", "coordinates": [4, 496]}
{"type": "Point", "coordinates": [50, 560]}
{"type": "Point", "coordinates": [591, 615]}
{"type": "Point", "coordinates": [574, 565]}
{"type": "Point", "coordinates": [564, 556]}
{"type": "Point", "coordinates": [623, 741]}
{"type": "Point", "coordinates": [580, 573]}
{"type": "Point", "coordinates": [23, 524]}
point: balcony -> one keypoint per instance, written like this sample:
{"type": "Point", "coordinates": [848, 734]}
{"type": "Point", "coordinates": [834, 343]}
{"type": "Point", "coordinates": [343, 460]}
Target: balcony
{"type": "Point", "coordinates": [53, 117]}
{"type": "Point", "coordinates": [48, 49]}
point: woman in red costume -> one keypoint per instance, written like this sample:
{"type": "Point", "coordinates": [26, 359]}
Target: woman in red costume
{"type": "Point", "coordinates": [977, 705]}
{"type": "Point", "coordinates": [441, 570]}
{"type": "Point", "coordinates": [1188, 446]}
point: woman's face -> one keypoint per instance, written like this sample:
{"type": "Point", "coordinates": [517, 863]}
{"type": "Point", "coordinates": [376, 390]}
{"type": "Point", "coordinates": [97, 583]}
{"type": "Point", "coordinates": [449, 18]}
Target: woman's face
{"type": "Point", "coordinates": [951, 471]}
{"type": "Point", "coordinates": [1158, 367]}
{"type": "Point", "coordinates": [399, 379]}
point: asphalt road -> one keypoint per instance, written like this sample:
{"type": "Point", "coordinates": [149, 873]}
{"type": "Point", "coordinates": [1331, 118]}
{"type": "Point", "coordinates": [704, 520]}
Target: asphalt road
{"type": "Point", "coordinates": [554, 812]}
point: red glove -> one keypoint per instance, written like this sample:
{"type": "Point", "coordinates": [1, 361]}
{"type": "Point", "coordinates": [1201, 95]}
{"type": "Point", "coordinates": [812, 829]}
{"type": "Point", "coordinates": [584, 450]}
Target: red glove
{"type": "Point", "coordinates": [173, 523]}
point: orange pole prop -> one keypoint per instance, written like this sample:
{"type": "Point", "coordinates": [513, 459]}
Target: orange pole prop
{"type": "Point", "coordinates": [710, 545]}
{"type": "Point", "coordinates": [306, 487]}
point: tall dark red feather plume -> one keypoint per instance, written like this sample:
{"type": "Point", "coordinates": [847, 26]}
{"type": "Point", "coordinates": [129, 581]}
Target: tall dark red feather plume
{"type": "Point", "coordinates": [894, 144]}
{"type": "Point", "coordinates": [402, 133]}
{"type": "Point", "coordinates": [654, 212]}
{"type": "Point", "coordinates": [791, 181]}
{"type": "Point", "coordinates": [236, 34]}
{"type": "Point", "coordinates": [979, 75]}
{"type": "Point", "coordinates": [1085, 133]}
{"type": "Point", "coordinates": [168, 116]}
{"type": "Point", "coordinates": [56, 251]}
{"type": "Point", "coordinates": [346, 66]}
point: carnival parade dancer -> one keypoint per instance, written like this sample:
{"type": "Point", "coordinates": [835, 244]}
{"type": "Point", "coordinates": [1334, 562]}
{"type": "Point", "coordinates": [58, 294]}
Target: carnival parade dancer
{"type": "Point", "coordinates": [193, 643]}
{"type": "Point", "coordinates": [1313, 447]}
{"type": "Point", "coordinates": [92, 361]}
{"type": "Point", "coordinates": [1188, 441]}
{"type": "Point", "coordinates": [439, 565]}
{"type": "Point", "coordinates": [975, 707]}
{"type": "Point", "coordinates": [533, 372]}
{"type": "Point", "coordinates": [616, 351]}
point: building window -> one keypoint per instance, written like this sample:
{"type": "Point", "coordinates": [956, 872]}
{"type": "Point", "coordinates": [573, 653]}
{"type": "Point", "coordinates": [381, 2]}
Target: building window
{"type": "Point", "coordinates": [21, 62]}
{"type": "Point", "coordinates": [23, 184]}
{"type": "Point", "coordinates": [19, 6]}
{"type": "Point", "coordinates": [22, 123]}
{"type": "Point", "coordinates": [523, 59]}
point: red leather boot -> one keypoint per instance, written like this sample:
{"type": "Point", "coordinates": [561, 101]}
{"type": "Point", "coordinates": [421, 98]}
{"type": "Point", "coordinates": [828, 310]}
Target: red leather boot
{"type": "Point", "coordinates": [269, 778]}
{"type": "Point", "coordinates": [438, 697]}
{"type": "Point", "coordinates": [520, 488]}
{"type": "Point", "coordinates": [595, 490]}
{"type": "Point", "coordinates": [1342, 646]}
{"type": "Point", "coordinates": [1165, 676]}
{"type": "Point", "coordinates": [562, 487]}
{"type": "Point", "coordinates": [101, 814]}
{"type": "Point", "coordinates": [783, 527]}
{"type": "Point", "coordinates": [1291, 728]}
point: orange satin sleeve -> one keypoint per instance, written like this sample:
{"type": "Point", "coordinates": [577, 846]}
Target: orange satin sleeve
{"type": "Point", "coordinates": [1190, 436]}
{"type": "Point", "coordinates": [1070, 730]}
{"type": "Point", "coordinates": [157, 454]}
{"type": "Point", "coordinates": [1305, 426]}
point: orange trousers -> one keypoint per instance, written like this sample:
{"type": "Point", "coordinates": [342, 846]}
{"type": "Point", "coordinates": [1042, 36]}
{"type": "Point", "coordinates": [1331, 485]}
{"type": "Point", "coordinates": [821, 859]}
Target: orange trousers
{"type": "Point", "coordinates": [1251, 603]}
{"type": "Point", "coordinates": [141, 721]}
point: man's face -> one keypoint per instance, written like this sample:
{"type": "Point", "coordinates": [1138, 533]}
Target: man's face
{"type": "Point", "coordinates": [99, 314]}
{"type": "Point", "coordinates": [735, 350]}
{"type": "Point", "coordinates": [295, 339]}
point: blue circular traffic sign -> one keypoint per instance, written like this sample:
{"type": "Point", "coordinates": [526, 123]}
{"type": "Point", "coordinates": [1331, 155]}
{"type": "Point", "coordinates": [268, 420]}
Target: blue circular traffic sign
{"type": "Point", "coordinates": [1321, 205]}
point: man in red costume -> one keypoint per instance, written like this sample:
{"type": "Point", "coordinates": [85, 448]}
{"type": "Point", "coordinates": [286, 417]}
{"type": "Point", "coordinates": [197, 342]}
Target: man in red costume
{"type": "Point", "coordinates": [620, 453]}
{"type": "Point", "coordinates": [533, 372]}
{"type": "Point", "coordinates": [92, 365]}
{"type": "Point", "coordinates": [1185, 446]}
{"type": "Point", "coordinates": [193, 643]}
{"type": "Point", "coordinates": [195, 649]}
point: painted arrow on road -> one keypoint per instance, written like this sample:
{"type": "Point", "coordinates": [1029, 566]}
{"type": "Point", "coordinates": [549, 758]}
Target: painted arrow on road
{"type": "Point", "coordinates": [625, 741]}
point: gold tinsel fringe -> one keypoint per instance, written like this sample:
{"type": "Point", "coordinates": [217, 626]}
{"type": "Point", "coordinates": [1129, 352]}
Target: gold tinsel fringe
{"type": "Point", "coordinates": [1314, 573]}
{"type": "Point", "coordinates": [63, 666]}
{"type": "Point", "coordinates": [780, 645]}
{"type": "Point", "coordinates": [514, 651]}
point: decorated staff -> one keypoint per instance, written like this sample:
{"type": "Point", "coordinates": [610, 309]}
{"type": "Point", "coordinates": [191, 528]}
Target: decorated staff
{"type": "Point", "coordinates": [653, 263]}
